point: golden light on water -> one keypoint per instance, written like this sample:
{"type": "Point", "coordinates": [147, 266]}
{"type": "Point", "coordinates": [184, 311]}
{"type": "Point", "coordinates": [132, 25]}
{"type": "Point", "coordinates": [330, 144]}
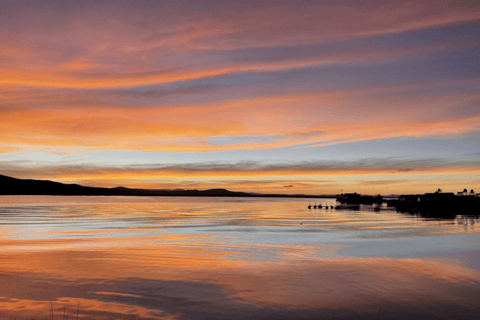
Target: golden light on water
{"type": "Point", "coordinates": [117, 256]}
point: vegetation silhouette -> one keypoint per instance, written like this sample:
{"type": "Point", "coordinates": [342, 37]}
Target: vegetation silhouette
{"type": "Point", "coordinates": [428, 205]}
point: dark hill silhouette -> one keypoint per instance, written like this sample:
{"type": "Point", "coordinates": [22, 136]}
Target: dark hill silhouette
{"type": "Point", "coordinates": [14, 186]}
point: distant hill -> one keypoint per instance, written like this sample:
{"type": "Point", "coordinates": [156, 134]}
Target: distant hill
{"type": "Point", "coordinates": [14, 186]}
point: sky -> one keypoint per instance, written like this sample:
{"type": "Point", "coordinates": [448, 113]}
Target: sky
{"type": "Point", "coordinates": [317, 97]}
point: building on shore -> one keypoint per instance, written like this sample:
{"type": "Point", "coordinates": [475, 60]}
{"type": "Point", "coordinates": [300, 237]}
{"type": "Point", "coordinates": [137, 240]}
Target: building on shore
{"type": "Point", "coordinates": [437, 204]}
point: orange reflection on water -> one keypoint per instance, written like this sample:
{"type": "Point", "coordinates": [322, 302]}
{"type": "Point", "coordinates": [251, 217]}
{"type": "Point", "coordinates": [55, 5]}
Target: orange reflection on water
{"type": "Point", "coordinates": [227, 258]}
{"type": "Point", "coordinates": [352, 283]}
{"type": "Point", "coordinates": [66, 307]}
{"type": "Point", "coordinates": [341, 283]}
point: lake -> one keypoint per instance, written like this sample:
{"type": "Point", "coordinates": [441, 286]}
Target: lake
{"type": "Point", "coordinates": [231, 258]}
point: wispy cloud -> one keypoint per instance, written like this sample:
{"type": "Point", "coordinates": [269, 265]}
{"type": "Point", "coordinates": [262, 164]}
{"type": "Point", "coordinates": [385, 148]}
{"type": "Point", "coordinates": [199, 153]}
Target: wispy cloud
{"type": "Point", "coordinates": [112, 46]}
{"type": "Point", "coordinates": [308, 119]}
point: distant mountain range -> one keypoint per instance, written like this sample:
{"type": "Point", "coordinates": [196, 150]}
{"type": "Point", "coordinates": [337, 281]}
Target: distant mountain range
{"type": "Point", "coordinates": [14, 186]}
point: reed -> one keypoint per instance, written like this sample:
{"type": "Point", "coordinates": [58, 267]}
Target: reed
{"type": "Point", "coordinates": [52, 317]}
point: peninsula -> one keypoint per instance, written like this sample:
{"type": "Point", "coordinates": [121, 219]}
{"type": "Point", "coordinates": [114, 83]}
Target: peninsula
{"type": "Point", "coordinates": [14, 186]}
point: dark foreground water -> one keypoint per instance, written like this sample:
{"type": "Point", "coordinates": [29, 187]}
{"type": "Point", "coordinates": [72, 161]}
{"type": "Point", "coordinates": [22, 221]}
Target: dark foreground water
{"type": "Point", "coordinates": [213, 258]}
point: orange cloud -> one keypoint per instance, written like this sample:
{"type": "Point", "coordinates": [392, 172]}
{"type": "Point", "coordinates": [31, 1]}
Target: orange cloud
{"type": "Point", "coordinates": [190, 128]}
{"type": "Point", "coordinates": [64, 75]}
{"type": "Point", "coordinates": [103, 49]}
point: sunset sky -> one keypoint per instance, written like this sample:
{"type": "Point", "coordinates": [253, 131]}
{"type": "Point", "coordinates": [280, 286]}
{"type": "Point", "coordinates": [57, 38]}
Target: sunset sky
{"type": "Point", "coordinates": [316, 97]}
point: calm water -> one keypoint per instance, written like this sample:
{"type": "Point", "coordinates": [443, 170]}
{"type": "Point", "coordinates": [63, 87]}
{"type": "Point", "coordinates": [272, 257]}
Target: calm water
{"type": "Point", "coordinates": [217, 258]}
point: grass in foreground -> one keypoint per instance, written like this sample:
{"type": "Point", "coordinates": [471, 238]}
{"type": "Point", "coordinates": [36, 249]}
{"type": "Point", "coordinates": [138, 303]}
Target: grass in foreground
{"type": "Point", "coordinates": [51, 316]}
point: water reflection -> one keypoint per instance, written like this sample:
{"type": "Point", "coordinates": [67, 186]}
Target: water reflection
{"type": "Point", "coordinates": [165, 258]}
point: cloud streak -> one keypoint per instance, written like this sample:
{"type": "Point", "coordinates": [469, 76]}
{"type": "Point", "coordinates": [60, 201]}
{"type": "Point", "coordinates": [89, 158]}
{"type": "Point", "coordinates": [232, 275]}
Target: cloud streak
{"type": "Point", "coordinates": [254, 169]}
{"type": "Point", "coordinates": [112, 46]}
{"type": "Point", "coordinates": [284, 120]}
